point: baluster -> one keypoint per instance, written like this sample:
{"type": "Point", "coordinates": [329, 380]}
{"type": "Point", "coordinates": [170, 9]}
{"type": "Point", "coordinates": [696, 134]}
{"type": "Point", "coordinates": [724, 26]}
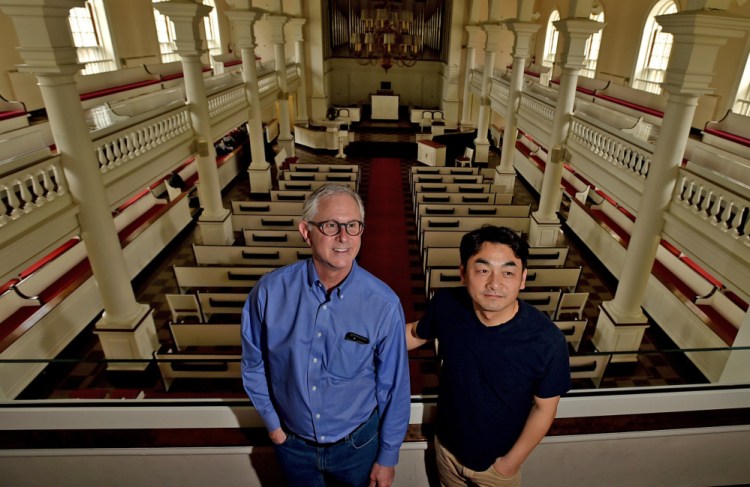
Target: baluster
{"type": "Point", "coordinates": [646, 167]}
{"type": "Point", "coordinates": [59, 181]}
{"type": "Point", "coordinates": [49, 189]}
{"type": "Point", "coordinates": [126, 155]}
{"type": "Point", "coordinates": [133, 146]}
{"type": "Point", "coordinates": [717, 210]}
{"type": "Point", "coordinates": [726, 216]}
{"type": "Point", "coordinates": [696, 203]}
{"type": "Point", "coordinates": [162, 130]}
{"type": "Point", "coordinates": [4, 208]}
{"type": "Point", "coordinates": [116, 152]}
{"type": "Point", "coordinates": [36, 190]}
{"type": "Point", "coordinates": [15, 205]}
{"type": "Point", "coordinates": [142, 140]}
{"type": "Point", "coordinates": [25, 196]}
{"type": "Point", "coordinates": [101, 158]}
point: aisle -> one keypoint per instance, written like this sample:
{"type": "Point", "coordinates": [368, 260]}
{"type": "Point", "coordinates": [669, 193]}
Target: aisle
{"type": "Point", "coordinates": [385, 251]}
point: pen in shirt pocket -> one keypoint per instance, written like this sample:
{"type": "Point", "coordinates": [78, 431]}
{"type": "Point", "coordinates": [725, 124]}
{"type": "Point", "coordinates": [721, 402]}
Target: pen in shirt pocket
{"type": "Point", "coordinates": [353, 337]}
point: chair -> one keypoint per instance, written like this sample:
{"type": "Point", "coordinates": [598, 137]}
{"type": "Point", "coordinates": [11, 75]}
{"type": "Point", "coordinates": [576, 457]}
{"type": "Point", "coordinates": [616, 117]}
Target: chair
{"type": "Point", "coordinates": [183, 306]}
{"type": "Point", "coordinates": [571, 304]}
{"type": "Point", "coordinates": [425, 121]}
{"type": "Point", "coordinates": [466, 159]}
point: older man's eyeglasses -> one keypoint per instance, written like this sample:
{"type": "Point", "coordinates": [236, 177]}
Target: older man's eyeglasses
{"type": "Point", "coordinates": [332, 228]}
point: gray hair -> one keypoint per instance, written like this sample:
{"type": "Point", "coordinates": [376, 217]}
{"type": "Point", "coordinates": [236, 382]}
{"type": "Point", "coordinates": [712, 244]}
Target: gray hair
{"type": "Point", "coordinates": [310, 208]}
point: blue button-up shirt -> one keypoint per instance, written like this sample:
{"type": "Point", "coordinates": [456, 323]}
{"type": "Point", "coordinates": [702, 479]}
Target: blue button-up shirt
{"type": "Point", "coordinates": [303, 374]}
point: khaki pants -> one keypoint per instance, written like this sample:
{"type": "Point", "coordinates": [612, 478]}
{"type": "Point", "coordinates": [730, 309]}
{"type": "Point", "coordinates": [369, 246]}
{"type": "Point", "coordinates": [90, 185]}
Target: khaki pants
{"type": "Point", "coordinates": [453, 474]}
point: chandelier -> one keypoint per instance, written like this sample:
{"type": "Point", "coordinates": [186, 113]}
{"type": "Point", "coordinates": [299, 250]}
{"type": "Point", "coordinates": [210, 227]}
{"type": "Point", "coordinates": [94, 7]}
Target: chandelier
{"type": "Point", "coordinates": [385, 36]}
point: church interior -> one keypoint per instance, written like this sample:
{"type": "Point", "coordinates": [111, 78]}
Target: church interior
{"type": "Point", "coordinates": [154, 158]}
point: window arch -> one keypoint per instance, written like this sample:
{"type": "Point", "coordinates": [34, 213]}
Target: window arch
{"type": "Point", "coordinates": [742, 101]}
{"type": "Point", "coordinates": [653, 56]}
{"type": "Point", "coordinates": [593, 44]}
{"type": "Point", "coordinates": [550, 41]}
{"type": "Point", "coordinates": [88, 24]}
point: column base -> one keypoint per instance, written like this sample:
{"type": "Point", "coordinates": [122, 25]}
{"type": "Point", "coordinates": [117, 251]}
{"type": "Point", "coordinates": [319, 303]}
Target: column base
{"type": "Point", "coordinates": [287, 144]}
{"type": "Point", "coordinates": [481, 151]}
{"type": "Point", "coordinates": [260, 178]}
{"type": "Point", "coordinates": [216, 231]}
{"type": "Point", "coordinates": [616, 334]}
{"type": "Point", "coordinates": [136, 340]}
{"type": "Point", "coordinates": [504, 180]}
{"type": "Point", "coordinates": [543, 233]}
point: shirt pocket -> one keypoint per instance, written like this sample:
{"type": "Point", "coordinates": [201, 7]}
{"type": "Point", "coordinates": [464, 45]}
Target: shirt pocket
{"type": "Point", "coordinates": [349, 359]}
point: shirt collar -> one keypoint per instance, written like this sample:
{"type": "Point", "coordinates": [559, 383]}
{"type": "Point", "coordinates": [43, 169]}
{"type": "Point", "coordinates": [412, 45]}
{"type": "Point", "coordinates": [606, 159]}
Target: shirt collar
{"type": "Point", "coordinates": [313, 281]}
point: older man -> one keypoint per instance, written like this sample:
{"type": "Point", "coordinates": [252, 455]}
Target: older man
{"type": "Point", "coordinates": [324, 357]}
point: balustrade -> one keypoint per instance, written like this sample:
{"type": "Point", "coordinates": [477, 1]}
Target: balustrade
{"type": "Point", "coordinates": [614, 149]}
{"type": "Point", "coordinates": [30, 188]}
{"type": "Point", "coordinates": [226, 101]}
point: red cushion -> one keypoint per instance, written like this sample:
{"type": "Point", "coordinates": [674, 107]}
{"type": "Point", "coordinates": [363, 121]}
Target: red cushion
{"type": "Point", "coordinates": [634, 106]}
{"type": "Point", "coordinates": [48, 258]}
{"type": "Point", "coordinates": [701, 271]}
{"type": "Point", "coordinates": [132, 200]}
{"type": "Point", "coordinates": [11, 114]}
{"type": "Point", "coordinates": [12, 322]}
{"type": "Point", "coordinates": [118, 89]}
{"type": "Point", "coordinates": [726, 135]}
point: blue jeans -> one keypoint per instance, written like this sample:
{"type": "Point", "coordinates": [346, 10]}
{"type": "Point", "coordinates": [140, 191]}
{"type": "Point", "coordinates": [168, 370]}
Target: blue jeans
{"type": "Point", "coordinates": [345, 463]}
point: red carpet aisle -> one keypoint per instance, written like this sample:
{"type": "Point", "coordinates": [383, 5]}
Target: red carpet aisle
{"type": "Point", "coordinates": [385, 251]}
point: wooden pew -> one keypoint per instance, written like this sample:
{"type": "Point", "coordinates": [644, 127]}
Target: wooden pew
{"type": "Point", "coordinates": [471, 189]}
{"type": "Point", "coordinates": [325, 168]}
{"type": "Point", "coordinates": [548, 277]}
{"type": "Point", "coordinates": [289, 195]}
{"type": "Point", "coordinates": [444, 179]}
{"type": "Point", "coordinates": [462, 198]}
{"type": "Point", "coordinates": [573, 331]}
{"type": "Point", "coordinates": [466, 224]}
{"type": "Point", "coordinates": [265, 222]}
{"type": "Point", "coordinates": [175, 365]}
{"type": "Point", "coordinates": [187, 335]}
{"type": "Point", "coordinates": [266, 207]}
{"type": "Point", "coordinates": [589, 367]}
{"type": "Point", "coordinates": [227, 277]}
{"type": "Point", "coordinates": [249, 255]}
{"type": "Point", "coordinates": [318, 176]}
{"type": "Point", "coordinates": [312, 185]}
{"type": "Point", "coordinates": [430, 209]}
{"type": "Point", "coordinates": [277, 238]}
{"type": "Point", "coordinates": [544, 301]}
{"type": "Point", "coordinates": [450, 256]}
{"type": "Point", "coordinates": [221, 303]}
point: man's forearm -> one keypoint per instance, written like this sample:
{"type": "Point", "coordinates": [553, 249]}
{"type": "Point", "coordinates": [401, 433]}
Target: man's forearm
{"type": "Point", "coordinates": [537, 424]}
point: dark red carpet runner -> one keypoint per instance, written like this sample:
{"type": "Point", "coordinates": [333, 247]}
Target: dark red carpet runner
{"type": "Point", "coordinates": [385, 246]}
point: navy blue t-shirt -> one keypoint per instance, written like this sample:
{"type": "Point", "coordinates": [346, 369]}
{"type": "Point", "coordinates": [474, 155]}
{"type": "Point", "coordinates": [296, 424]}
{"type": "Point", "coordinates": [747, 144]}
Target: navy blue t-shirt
{"type": "Point", "coordinates": [489, 375]}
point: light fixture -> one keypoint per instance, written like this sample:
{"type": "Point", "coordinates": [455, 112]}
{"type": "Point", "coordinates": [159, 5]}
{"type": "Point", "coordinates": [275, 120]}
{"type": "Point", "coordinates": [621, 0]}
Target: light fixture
{"type": "Point", "coordinates": [385, 36]}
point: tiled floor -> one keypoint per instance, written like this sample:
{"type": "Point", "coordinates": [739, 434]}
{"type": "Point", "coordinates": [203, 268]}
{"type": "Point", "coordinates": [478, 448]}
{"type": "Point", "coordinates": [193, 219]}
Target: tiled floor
{"type": "Point", "coordinates": [89, 378]}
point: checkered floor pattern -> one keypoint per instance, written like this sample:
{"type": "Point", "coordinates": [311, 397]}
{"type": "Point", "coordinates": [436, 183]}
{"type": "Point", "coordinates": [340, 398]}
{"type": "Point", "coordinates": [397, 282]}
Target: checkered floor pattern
{"type": "Point", "coordinates": [81, 372]}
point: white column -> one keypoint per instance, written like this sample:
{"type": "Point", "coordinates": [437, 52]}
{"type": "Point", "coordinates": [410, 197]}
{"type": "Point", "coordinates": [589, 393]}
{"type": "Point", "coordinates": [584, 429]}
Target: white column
{"type": "Point", "coordinates": [505, 174]}
{"type": "Point", "coordinates": [286, 139]}
{"type": "Point", "coordinates": [214, 222]}
{"type": "Point", "coordinates": [127, 328]}
{"type": "Point", "coordinates": [481, 144]}
{"type": "Point", "coordinates": [243, 20]}
{"type": "Point", "coordinates": [471, 49]}
{"type": "Point", "coordinates": [697, 35]}
{"type": "Point", "coordinates": [545, 226]}
{"type": "Point", "coordinates": [300, 97]}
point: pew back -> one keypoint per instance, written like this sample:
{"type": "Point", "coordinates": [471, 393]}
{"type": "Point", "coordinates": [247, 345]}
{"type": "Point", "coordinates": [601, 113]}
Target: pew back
{"type": "Point", "coordinates": [463, 198]}
{"type": "Point", "coordinates": [187, 335]}
{"type": "Point", "coordinates": [249, 255]}
{"type": "Point", "coordinates": [277, 238]}
{"type": "Point", "coordinates": [228, 277]}
{"type": "Point", "coordinates": [221, 303]}
{"type": "Point", "coordinates": [265, 222]}
{"type": "Point", "coordinates": [289, 195]}
{"type": "Point", "coordinates": [266, 207]}
{"type": "Point", "coordinates": [312, 185]}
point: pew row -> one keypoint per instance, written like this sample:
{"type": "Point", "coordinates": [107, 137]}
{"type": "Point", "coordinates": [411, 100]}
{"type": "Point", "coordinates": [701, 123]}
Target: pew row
{"type": "Point", "coordinates": [573, 331]}
{"type": "Point", "coordinates": [220, 303]}
{"type": "Point", "coordinates": [266, 207]}
{"type": "Point", "coordinates": [277, 238]}
{"type": "Point", "coordinates": [450, 256]}
{"type": "Point", "coordinates": [225, 277]}
{"type": "Point", "coordinates": [463, 198]}
{"type": "Point", "coordinates": [465, 224]}
{"type": "Point", "coordinates": [265, 222]}
{"type": "Point", "coordinates": [324, 168]}
{"type": "Point", "coordinates": [589, 367]}
{"type": "Point", "coordinates": [318, 176]}
{"type": "Point", "coordinates": [482, 210]}
{"type": "Point", "coordinates": [249, 255]}
{"type": "Point", "coordinates": [290, 195]}
{"type": "Point", "coordinates": [313, 185]}
{"type": "Point", "coordinates": [554, 278]}
{"type": "Point", "coordinates": [185, 335]}
{"type": "Point", "coordinates": [176, 365]}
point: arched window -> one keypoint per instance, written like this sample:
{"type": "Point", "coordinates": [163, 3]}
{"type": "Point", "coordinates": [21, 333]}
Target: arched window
{"type": "Point", "coordinates": [592, 48]}
{"type": "Point", "coordinates": [654, 52]}
{"type": "Point", "coordinates": [742, 101]}
{"type": "Point", "coordinates": [550, 41]}
{"type": "Point", "coordinates": [91, 37]}
{"type": "Point", "coordinates": [165, 33]}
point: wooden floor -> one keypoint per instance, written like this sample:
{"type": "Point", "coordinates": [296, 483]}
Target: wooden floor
{"type": "Point", "coordinates": [80, 370]}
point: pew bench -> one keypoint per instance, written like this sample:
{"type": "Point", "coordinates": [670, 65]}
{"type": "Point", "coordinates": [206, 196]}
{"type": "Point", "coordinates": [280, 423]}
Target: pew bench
{"type": "Point", "coordinates": [100, 88]}
{"type": "Point", "coordinates": [266, 207]}
{"type": "Point", "coordinates": [441, 238]}
{"type": "Point", "coordinates": [573, 331]}
{"type": "Point", "coordinates": [265, 222]}
{"type": "Point", "coordinates": [184, 365]}
{"type": "Point", "coordinates": [463, 198]}
{"type": "Point", "coordinates": [283, 162]}
{"type": "Point", "coordinates": [589, 367]}
{"type": "Point", "coordinates": [137, 213]}
{"type": "Point", "coordinates": [731, 133]}
{"type": "Point", "coordinates": [249, 256]}
{"type": "Point", "coordinates": [277, 238]}
{"type": "Point", "coordinates": [483, 210]}
{"type": "Point", "coordinates": [224, 304]}
{"type": "Point", "coordinates": [544, 301]}
{"type": "Point", "coordinates": [320, 177]}
{"type": "Point", "coordinates": [450, 256]}
{"type": "Point", "coordinates": [185, 335]}
{"type": "Point", "coordinates": [198, 278]}
{"type": "Point", "coordinates": [313, 185]}
{"type": "Point", "coordinates": [325, 168]}
{"type": "Point", "coordinates": [445, 179]}
{"type": "Point", "coordinates": [13, 115]}
{"type": "Point", "coordinates": [633, 102]}
{"type": "Point", "coordinates": [14, 310]}
{"type": "Point", "coordinates": [542, 278]}
{"type": "Point", "coordinates": [465, 224]}
{"type": "Point", "coordinates": [51, 275]}
{"type": "Point", "coordinates": [289, 195]}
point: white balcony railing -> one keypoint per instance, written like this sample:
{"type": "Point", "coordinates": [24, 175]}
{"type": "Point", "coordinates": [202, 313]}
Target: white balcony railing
{"type": "Point", "coordinates": [29, 189]}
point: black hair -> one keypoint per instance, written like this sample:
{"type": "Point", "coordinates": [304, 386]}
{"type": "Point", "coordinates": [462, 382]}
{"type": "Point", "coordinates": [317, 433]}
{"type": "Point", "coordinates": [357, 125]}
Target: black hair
{"type": "Point", "coordinates": [472, 242]}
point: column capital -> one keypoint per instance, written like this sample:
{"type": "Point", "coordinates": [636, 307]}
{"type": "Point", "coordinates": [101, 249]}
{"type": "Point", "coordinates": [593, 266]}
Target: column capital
{"type": "Point", "coordinates": [474, 32]}
{"type": "Point", "coordinates": [523, 33]}
{"type": "Point", "coordinates": [45, 41]}
{"type": "Point", "coordinates": [697, 37]}
{"type": "Point", "coordinates": [186, 16]}
{"type": "Point", "coordinates": [243, 23]}
{"type": "Point", "coordinates": [493, 36]}
{"type": "Point", "coordinates": [576, 32]}
{"type": "Point", "coordinates": [295, 25]}
{"type": "Point", "coordinates": [277, 27]}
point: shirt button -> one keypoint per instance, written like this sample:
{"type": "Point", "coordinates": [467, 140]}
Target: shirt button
{"type": "Point", "coordinates": [325, 307]}
{"type": "Point", "coordinates": [315, 361]}
{"type": "Point", "coordinates": [320, 334]}
{"type": "Point", "coordinates": [314, 388]}
{"type": "Point", "coordinates": [317, 416]}
{"type": "Point", "coordinates": [323, 438]}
